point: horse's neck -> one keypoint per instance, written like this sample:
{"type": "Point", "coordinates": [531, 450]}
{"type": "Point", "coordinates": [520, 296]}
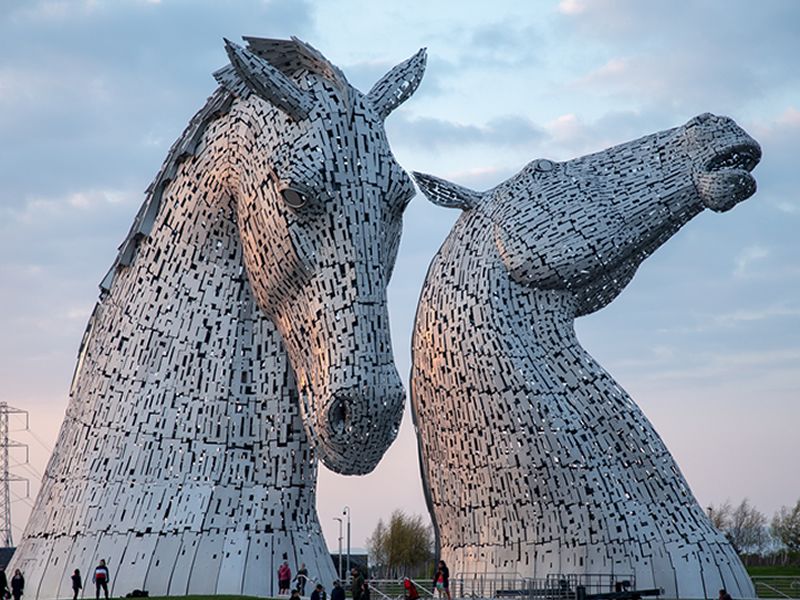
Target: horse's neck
{"type": "Point", "coordinates": [178, 349]}
{"type": "Point", "coordinates": [183, 414]}
{"type": "Point", "coordinates": [186, 287]}
{"type": "Point", "coordinates": [485, 345]}
{"type": "Point", "coordinates": [526, 338]}
{"type": "Point", "coordinates": [470, 285]}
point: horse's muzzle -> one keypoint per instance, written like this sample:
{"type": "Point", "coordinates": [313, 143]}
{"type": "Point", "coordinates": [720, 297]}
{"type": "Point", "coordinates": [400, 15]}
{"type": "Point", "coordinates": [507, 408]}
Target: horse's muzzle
{"type": "Point", "coordinates": [359, 423]}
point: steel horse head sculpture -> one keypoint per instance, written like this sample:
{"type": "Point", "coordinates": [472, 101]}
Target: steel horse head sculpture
{"type": "Point", "coordinates": [241, 334]}
{"type": "Point", "coordinates": [535, 460]}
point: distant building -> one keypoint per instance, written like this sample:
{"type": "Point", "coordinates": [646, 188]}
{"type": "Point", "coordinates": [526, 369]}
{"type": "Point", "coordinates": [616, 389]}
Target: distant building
{"type": "Point", "coordinates": [360, 561]}
{"type": "Point", "coordinates": [5, 556]}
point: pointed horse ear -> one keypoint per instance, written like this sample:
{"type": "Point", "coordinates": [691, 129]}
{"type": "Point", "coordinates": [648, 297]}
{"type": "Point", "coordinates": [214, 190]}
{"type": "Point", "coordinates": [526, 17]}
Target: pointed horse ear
{"type": "Point", "coordinates": [397, 85]}
{"type": "Point", "coordinates": [445, 193]}
{"type": "Point", "coordinates": [268, 82]}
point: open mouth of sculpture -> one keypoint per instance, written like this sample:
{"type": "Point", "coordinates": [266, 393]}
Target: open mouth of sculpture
{"type": "Point", "coordinates": [741, 157]}
{"type": "Point", "coordinates": [726, 179]}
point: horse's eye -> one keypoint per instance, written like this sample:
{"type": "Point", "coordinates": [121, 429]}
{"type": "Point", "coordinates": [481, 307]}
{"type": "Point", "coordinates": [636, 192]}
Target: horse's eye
{"type": "Point", "coordinates": [294, 198]}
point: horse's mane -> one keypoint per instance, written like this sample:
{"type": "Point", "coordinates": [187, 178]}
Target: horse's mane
{"type": "Point", "coordinates": [288, 56]}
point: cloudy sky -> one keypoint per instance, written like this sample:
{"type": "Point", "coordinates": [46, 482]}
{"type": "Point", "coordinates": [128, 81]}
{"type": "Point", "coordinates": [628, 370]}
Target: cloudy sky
{"type": "Point", "coordinates": [706, 337]}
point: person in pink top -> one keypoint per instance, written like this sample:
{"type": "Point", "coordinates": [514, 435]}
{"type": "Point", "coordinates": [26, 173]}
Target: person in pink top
{"type": "Point", "coordinates": [284, 578]}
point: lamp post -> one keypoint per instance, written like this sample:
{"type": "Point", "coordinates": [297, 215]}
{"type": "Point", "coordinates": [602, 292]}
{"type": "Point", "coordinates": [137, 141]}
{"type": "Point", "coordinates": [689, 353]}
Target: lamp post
{"type": "Point", "coordinates": [346, 511]}
{"type": "Point", "coordinates": [340, 547]}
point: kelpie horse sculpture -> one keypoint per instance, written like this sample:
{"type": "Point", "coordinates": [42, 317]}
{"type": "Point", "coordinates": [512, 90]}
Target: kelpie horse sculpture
{"type": "Point", "coordinates": [534, 459]}
{"type": "Point", "coordinates": [241, 334]}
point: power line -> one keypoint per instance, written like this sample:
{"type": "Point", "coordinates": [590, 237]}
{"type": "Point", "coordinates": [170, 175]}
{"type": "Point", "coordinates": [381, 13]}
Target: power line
{"type": "Point", "coordinates": [35, 437]}
{"type": "Point", "coordinates": [23, 499]}
{"type": "Point", "coordinates": [28, 467]}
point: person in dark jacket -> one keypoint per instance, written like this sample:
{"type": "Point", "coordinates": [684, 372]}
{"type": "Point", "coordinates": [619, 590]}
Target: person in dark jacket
{"type": "Point", "coordinates": [77, 584]}
{"type": "Point", "coordinates": [441, 581]}
{"type": "Point", "coordinates": [337, 593]}
{"type": "Point", "coordinates": [4, 593]}
{"type": "Point", "coordinates": [365, 590]}
{"type": "Point", "coordinates": [301, 578]}
{"type": "Point", "coordinates": [356, 583]}
{"type": "Point", "coordinates": [318, 593]}
{"type": "Point", "coordinates": [101, 578]}
{"type": "Point", "coordinates": [17, 585]}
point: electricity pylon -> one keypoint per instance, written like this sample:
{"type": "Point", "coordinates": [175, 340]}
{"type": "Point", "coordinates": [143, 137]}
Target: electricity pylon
{"type": "Point", "coordinates": [5, 475]}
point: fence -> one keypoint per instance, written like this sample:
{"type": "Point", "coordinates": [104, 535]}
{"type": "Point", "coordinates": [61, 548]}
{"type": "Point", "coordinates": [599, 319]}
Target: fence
{"type": "Point", "coordinates": [777, 587]}
{"type": "Point", "coordinates": [552, 587]}
{"type": "Point", "coordinates": [505, 585]}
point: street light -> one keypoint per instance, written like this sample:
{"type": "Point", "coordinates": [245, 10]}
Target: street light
{"type": "Point", "coordinates": [340, 546]}
{"type": "Point", "coordinates": [346, 511]}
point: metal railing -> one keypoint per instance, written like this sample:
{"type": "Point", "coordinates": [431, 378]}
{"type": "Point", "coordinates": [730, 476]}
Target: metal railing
{"type": "Point", "coordinates": [552, 587]}
{"type": "Point", "coordinates": [393, 589]}
{"type": "Point", "coordinates": [777, 586]}
{"type": "Point", "coordinates": [555, 587]}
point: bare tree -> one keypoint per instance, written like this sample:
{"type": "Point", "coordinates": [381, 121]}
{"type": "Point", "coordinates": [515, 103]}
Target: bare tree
{"type": "Point", "coordinates": [720, 515]}
{"type": "Point", "coordinates": [786, 527]}
{"type": "Point", "coordinates": [747, 530]}
{"type": "Point", "coordinates": [377, 545]}
{"type": "Point", "coordinates": [744, 526]}
{"type": "Point", "coordinates": [403, 547]}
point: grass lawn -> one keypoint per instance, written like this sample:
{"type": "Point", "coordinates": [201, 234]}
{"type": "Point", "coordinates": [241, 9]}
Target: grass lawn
{"type": "Point", "coordinates": [209, 598]}
{"type": "Point", "coordinates": [773, 571]}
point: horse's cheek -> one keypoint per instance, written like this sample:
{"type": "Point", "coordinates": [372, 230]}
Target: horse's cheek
{"type": "Point", "coordinates": [268, 254]}
{"type": "Point", "coordinates": [304, 250]}
{"type": "Point", "coordinates": [525, 263]}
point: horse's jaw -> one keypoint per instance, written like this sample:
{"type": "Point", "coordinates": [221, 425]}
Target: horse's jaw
{"type": "Point", "coordinates": [351, 397]}
{"type": "Point", "coordinates": [347, 436]}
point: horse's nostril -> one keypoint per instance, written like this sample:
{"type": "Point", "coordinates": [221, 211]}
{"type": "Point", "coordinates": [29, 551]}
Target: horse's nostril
{"type": "Point", "coordinates": [338, 415]}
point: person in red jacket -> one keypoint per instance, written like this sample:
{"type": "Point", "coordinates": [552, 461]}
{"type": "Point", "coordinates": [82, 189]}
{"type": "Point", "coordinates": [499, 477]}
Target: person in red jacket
{"type": "Point", "coordinates": [411, 592]}
{"type": "Point", "coordinates": [284, 578]}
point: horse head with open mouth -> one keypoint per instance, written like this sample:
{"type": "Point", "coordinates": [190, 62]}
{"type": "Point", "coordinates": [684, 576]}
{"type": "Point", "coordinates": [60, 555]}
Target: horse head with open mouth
{"type": "Point", "coordinates": [534, 459]}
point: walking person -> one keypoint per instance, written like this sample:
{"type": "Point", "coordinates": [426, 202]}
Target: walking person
{"type": "Point", "coordinates": [356, 583]}
{"type": "Point", "coordinates": [101, 578]}
{"type": "Point", "coordinates": [17, 585]}
{"type": "Point", "coordinates": [441, 581]}
{"type": "Point", "coordinates": [365, 590]}
{"type": "Point", "coordinates": [301, 578]}
{"type": "Point", "coordinates": [284, 578]}
{"type": "Point", "coordinates": [77, 584]}
{"type": "Point", "coordinates": [4, 593]}
{"type": "Point", "coordinates": [337, 593]}
{"type": "Point", "coordinates": [318, 593]}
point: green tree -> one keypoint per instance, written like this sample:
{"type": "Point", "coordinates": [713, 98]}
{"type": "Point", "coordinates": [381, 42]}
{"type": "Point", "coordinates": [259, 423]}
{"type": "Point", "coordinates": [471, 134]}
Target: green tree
{"type": "Point", "coordinates": [401, 547]}
{"type": "Point", "coordinates": [786, 527]}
